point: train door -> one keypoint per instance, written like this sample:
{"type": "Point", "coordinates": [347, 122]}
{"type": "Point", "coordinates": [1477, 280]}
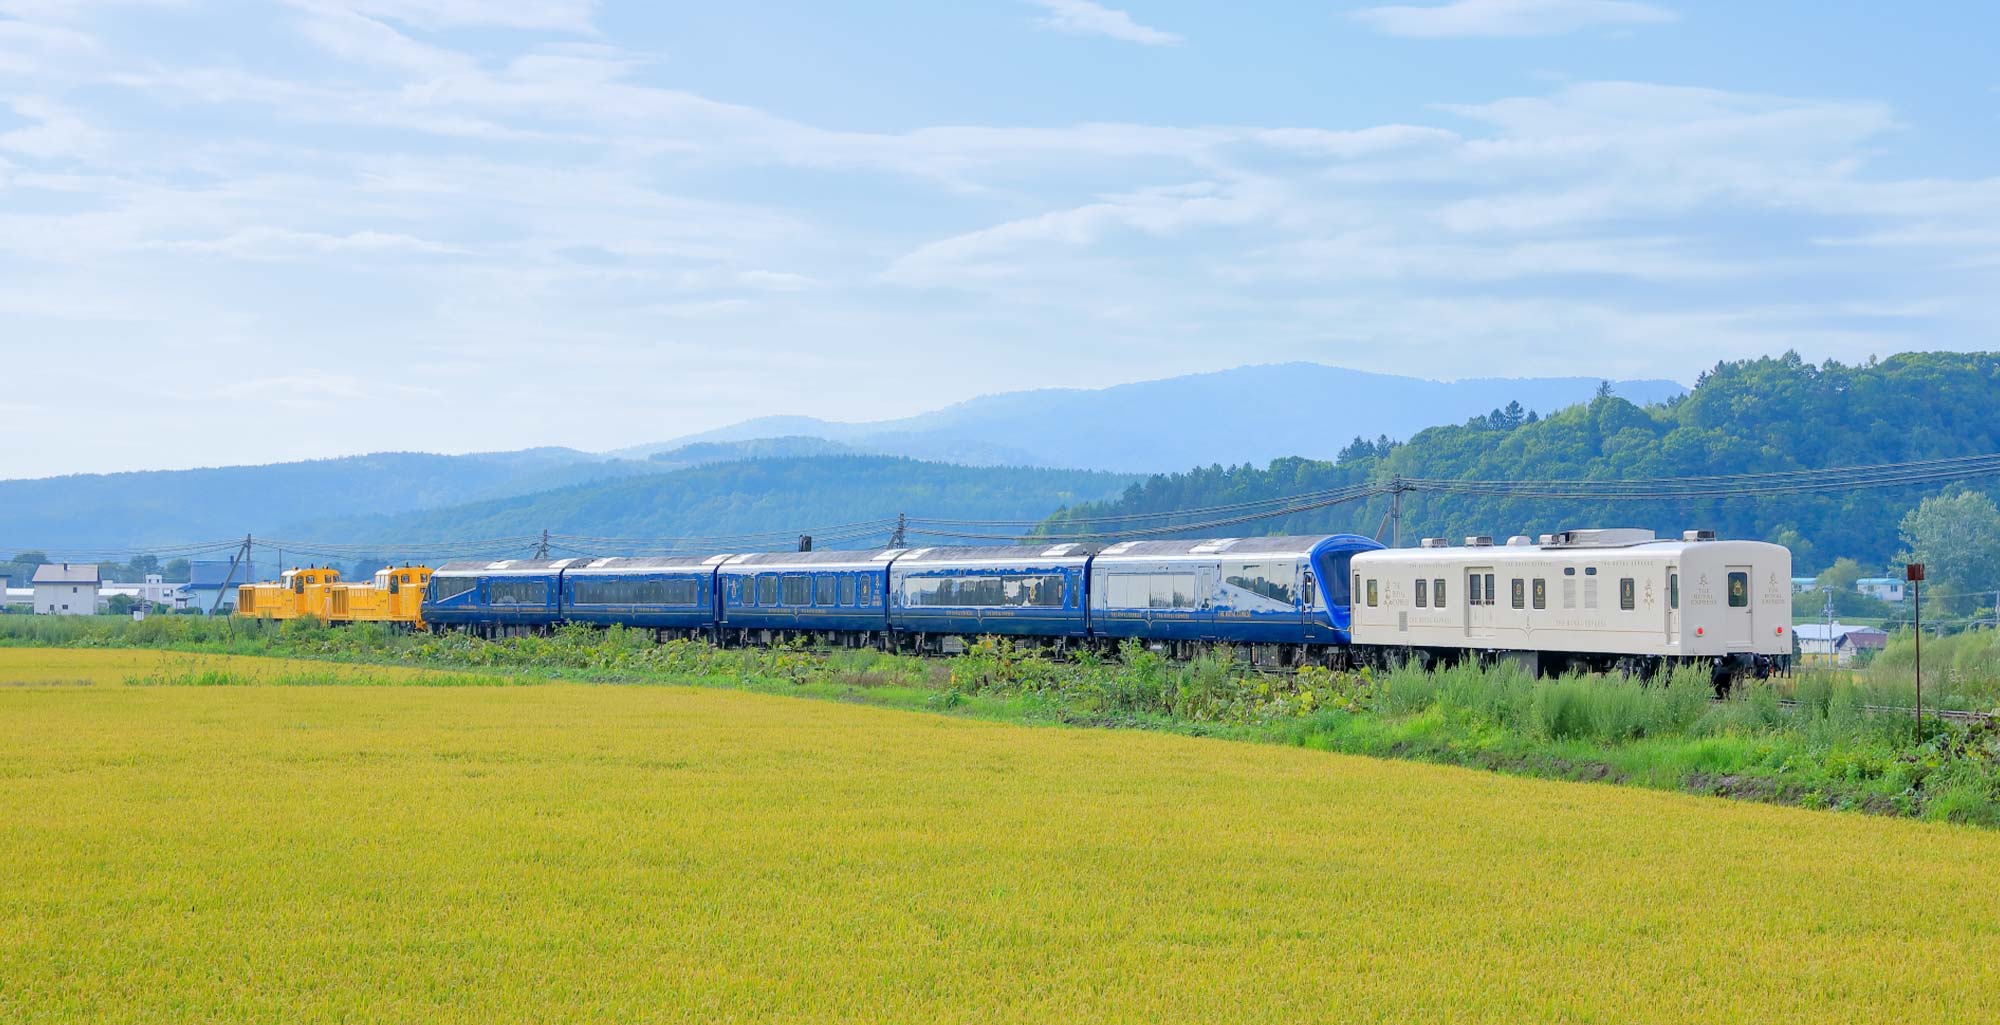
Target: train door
{"type": "Point", "coordinates": [1673, 604]}
{"type": "Point", "coordinates": [1308, 604]}
{"type": "Point", "coordinates": [1479, 601]}
{"type": "Point", "coordinates": [1739, 624]}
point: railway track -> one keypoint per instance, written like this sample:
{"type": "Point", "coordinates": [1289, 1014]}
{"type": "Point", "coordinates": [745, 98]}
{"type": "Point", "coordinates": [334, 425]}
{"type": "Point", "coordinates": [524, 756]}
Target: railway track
{"type": "Point", "coordinates": [1956, 715]}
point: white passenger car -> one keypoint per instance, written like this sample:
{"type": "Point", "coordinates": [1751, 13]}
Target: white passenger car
{"type": "Point", "coordinates": [1583, 599]}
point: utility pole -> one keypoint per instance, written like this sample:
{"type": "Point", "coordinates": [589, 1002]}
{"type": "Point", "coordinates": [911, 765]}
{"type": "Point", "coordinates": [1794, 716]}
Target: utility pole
{"type": "Point", "coordinates": [896, 540]}
{"type": "Point", "coordinates": [1914, 573]}
{"type": "Point", "coordinates": [1826, 613]}
{"type": "Point", "coordinates": [1396, 512]}
{"type": "Point", "coordinates": [542, 550]}
{"type": "Point", "coordinates": [242, 557]}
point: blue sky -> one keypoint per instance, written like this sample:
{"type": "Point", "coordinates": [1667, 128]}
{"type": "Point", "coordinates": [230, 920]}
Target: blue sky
{"type": "Point", "coordinates": [261, 231]}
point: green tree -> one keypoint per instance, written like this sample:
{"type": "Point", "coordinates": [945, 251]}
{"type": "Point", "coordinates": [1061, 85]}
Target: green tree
{"type": "Point", "coordinates": [1840, 577]}
{"type": "Point", "coordinates": [176, 571]}
{"type": "Point", "coordinates": [1957, 538]}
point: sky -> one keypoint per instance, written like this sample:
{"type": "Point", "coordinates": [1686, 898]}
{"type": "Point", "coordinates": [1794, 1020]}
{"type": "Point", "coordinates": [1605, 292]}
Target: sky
{"type": "Point", "coordinates": [245, 232]}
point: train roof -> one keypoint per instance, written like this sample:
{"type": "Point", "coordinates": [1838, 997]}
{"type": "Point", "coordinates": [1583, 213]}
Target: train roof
{"type": "Point", "coordinates": [507, 567]}
{"type": "Point", "coordinates": [1662, 548]}
{"type": "Point", "coordinates": [850, 559]}
{"type": "Point", "coordinates": [644, 564]}
{"type": "Point", "coordinates": [1040, 554]}
{"type": "Point", "coordinates": [1293, 545]}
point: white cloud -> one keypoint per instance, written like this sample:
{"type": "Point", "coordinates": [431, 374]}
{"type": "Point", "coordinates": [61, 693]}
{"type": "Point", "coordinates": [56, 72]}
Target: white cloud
{"type": "Point", "coordinates": [57, 132]}
{"type": "Point", "coordinates": [1084, 18]}
{"type": "Point", "coordinates": [1516, 18]}
{"type": "Point", "coordinates": [557, 15]}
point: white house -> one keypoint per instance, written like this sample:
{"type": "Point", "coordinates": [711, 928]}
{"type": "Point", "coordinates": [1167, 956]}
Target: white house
{"type": "Point", "coordinates": [1888, 589]}
{"type": "Point", "coordinates": [66, 589]}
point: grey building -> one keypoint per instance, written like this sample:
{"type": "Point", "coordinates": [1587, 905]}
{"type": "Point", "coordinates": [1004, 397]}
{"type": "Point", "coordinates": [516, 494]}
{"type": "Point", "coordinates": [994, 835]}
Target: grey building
{"type": "Point", "coordinates": [66, 589]}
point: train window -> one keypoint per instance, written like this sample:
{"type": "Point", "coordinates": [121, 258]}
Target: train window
{"type": "Point", "coordinates": [846, 590]}
{"type": "Point", "coordinates": [1423, 593]}
{"type": "Point", "coordinates": [1371, 594]}
{"type": "Point", "coordinates": [1472, 588]}
{"type": "Point", "coordinates": [1520, 593]}
{"type": "Point", "coordinates": [866, 588]}
{"type": "Point", "coordinates": [985, 591]}
{"type": "Point", "coordinates": [1739, 590]}
{"type": "Point", "coordinates": [641, 591]}
{"type": "Point", "coordinates": [1673, 590]}
{"type": "Point", "coordinates": [767, 590]}
{"type": "Point", "coordinates": [517, 592]}
{"type": "Point", "coordinates": [796, 589]}
{"type": "Point", "coordinates": [1171, 591]}
{"type": "Point", "coordinates": [1490, 596]}
{"type": "Point", "coordinates": [1357, 586]}
{"type": "Point", "coordinates": [1307, 592]}
{"type": "Point", "coordinates": [826, 589]}
{"type": "Point", "coordinates": [1627, 595]}
{"type": "Point", "coordinates": [1437, 592]}
{"type": "Point", "coordinates": [1271, 580]}
{"type": "Point", "coordinates": [451, 587]}
{"type": "Point", "coordinates": [1590, 571]}
{"type": "Point", "coordinates": [1541, 593]}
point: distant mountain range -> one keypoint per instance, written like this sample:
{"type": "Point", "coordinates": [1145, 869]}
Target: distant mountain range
{"type": "Point", "coordinates": [1249, 414]}
{"type": "Point", "coordinates": [777, 497]}
{"type": "Point", "coordinates": [1246, 415]}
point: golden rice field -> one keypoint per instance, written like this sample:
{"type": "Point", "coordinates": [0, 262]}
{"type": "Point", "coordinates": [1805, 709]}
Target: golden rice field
{"type": "Point", "coordinates": [88, 666]}
{"type": "Point", "coordinates": [578, 853]}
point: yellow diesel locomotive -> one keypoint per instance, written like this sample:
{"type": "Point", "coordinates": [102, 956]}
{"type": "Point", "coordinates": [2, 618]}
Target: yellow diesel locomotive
{"type": "Point", "coordinates": [396, 595]}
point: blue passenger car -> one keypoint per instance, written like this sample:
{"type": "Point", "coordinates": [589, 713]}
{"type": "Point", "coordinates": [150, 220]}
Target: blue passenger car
{"type": "Point", "coordinates": [1287, 590]}
{"type": "Point", "coordinates": [1028, 590]}
{"type": "Point", "coordinates": [497, 596]}
{"type": "Point", "coordinates": [669, 593]}
{"type": "Point", "coordinates": [841, 592]}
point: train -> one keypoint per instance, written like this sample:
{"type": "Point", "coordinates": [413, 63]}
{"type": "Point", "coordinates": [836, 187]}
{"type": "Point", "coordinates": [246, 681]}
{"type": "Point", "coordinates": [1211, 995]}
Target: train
{"type": "Point", "coordinates": [1590, 599]}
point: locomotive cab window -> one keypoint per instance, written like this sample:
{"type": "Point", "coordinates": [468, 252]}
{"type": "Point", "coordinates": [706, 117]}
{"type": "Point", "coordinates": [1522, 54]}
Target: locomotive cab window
{"type": "Point", "coordinates": [1739, 590]}
{"type": "Point", "coordinates": [1626, 594]}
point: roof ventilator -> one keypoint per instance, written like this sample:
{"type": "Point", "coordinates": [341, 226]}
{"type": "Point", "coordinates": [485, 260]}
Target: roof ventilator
{"type": "Point", "coordinates": [1434, 542]}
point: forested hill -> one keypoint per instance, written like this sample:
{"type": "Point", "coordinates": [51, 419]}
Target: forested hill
{"type": "Point", "coordinates": [745, 497]}
{"type": "Point", "coordinates": [1745, 417]}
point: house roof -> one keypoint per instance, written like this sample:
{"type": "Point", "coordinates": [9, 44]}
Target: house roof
{"type": "Point", "coordinates": [1822, 632]}
{"type": "Point", "coordinates": [1878, 581]}
{"type": "Point", "coordinates": [66, 573]}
